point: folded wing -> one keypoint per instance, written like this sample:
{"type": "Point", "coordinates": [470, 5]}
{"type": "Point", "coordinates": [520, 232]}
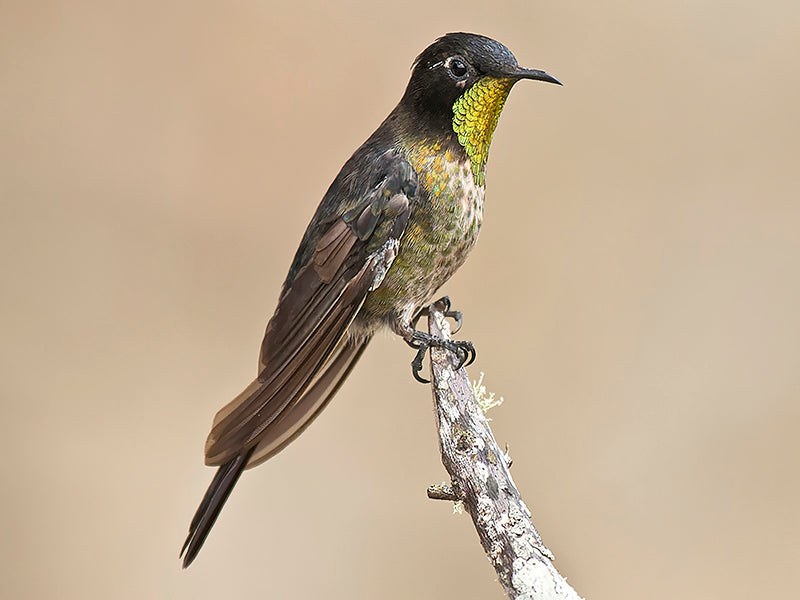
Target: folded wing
{"type": "Point", "coordinates": [306, 352]}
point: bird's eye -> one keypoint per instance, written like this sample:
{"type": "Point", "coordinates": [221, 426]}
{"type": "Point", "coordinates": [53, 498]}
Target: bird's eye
{"type": "Point", "coordinates": [457, 67]}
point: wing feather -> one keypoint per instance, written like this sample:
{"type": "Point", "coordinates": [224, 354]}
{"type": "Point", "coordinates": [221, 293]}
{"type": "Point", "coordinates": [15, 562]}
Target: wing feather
{"type": "Point", "coordinates": [258, 411]}
{"type": "Point", "coordinates": [305, 354]}
{"type": "Point", "coordinates": [300, 414]}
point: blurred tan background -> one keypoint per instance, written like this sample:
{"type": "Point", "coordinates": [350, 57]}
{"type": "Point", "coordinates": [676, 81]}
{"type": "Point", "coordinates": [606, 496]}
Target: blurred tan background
{"type": "Point", "coordinates": [634, 298]}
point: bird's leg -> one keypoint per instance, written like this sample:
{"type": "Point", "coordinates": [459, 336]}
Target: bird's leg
{"type": "Point", "coordinates": [421, 341]}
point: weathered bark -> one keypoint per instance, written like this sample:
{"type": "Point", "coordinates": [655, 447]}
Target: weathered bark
{"type": "Point", "coordinates": [480, 479]}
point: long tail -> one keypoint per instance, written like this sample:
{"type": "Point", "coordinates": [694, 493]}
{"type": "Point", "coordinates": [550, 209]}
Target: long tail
{"type": "Point", "coordinates": [294, 418]}
{"type": "Point", "coordinates": [211, 505]}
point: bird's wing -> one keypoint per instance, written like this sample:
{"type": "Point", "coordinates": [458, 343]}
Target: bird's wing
{"type": "Point", "coordinates": [301, 413]}
{"type": "Point", "coordinates": [305, 353]}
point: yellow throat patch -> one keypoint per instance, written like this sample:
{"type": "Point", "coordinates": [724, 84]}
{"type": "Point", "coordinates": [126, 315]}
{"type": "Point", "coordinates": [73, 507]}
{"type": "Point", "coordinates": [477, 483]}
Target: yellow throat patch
{"type": "Point", "coordinates": [475, 116]}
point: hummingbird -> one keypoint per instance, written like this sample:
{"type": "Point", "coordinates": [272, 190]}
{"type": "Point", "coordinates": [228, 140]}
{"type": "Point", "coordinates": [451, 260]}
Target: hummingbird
{"type": "Point", "coordinates": [398, 220]}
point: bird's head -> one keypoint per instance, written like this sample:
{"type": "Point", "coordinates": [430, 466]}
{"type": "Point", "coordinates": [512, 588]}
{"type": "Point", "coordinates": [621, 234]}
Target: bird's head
{"type": "Point", "coordinates": [460, 83]}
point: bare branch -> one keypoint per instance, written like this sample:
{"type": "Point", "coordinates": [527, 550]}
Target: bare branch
{"type": "Point", "coordinates": [441, 492]}
{"type": "Point", "coordinates": [480, 479]}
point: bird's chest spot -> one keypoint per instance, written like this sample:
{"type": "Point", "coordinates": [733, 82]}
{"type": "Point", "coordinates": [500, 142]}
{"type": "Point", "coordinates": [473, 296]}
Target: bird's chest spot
{"type": "Point", "coordinates": [442, 229]}
{"type": "Point", "coordinates": [445, 223]}
{"type": "Point", "coordinates": [456, 203]}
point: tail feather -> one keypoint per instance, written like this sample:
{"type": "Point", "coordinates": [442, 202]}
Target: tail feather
{"type": "Point", "coordinates": [299, 415]}
{"type": "Point", "coordinates": [290, 422]}
{"type": "Point", "coordinates": [226, 477]}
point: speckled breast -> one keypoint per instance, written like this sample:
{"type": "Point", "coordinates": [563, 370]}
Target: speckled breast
{"type": "Point", "coordinates": [441, 230]}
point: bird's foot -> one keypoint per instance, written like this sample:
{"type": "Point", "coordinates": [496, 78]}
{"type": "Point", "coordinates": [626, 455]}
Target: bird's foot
{"type": "Point", "coordinates": [421, 341]}
{"type": "Point", "coordinates": [444, 304]}
{"type": "Point", "coordinates": [456, 315]}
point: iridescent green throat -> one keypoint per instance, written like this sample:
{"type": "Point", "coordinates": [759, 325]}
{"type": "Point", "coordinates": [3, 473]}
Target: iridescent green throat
{"type": "Point", "coordinates": [475, 116]}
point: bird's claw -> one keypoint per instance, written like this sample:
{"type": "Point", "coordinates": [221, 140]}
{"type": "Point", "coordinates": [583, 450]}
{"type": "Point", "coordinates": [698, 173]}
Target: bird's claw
{"type": "Point", "coordinates": [444, 305]}
{"type": "Point", "coordinates": [416, 365]}
{"type": "Point", "coordinates": [469, 354]}
{"type": "Point", "coordinates": [421, 341]}
{"type": "Point", "coordinates": [457, 317]}
{"type": "Point", "coordinates": [464, 350]}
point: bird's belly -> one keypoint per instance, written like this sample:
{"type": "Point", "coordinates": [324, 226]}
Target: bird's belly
{"type": "Point", "coordinates": [440, 233]}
